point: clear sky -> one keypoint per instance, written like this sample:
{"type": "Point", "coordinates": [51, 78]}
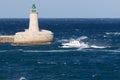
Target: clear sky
{"type": "Point", "coordinates": [61, 8]}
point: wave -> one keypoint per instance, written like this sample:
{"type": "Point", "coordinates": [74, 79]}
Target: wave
{"type": "Point", "coordinates": [49, 51]}
{"type": "Point", "coordinates": [44, 51]}
{"type": "Point", "coordinates": [113, 33]}
{"type": "Point", "coordinates": [99, 50]}
{"type": "Point", "coordinates": [79, 39]}
{"type": "Point", "coordinates": [79, 43]}
{"type": "Point", "coordinates": [72, 50]}
{"type": "Point", "coordinates": [75, 43]}
{"type": "Point", "coordinates": [62, 40]}
{"type": "Point", "coordinates": [100, 47]}
{"type": "Point", "coordinates": [82, 38]}
{"type": "Point", "coordinates": [115, 51]}
{"type": "Point", "coordinates": [22, 78]}
{"type": "Point", "coordinates": [96, 49]}
{"type": "Point", "coordinates": [1, 51]}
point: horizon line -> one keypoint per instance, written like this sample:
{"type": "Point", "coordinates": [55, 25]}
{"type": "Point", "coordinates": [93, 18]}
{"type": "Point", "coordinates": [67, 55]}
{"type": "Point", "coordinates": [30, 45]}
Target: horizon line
{"type": "Point", "coordinates": [61, 18]}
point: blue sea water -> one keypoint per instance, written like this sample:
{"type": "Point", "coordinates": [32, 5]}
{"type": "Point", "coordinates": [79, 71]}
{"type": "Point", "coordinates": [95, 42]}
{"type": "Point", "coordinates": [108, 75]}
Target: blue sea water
{"type": "Point", "coordinates": [51, 62]}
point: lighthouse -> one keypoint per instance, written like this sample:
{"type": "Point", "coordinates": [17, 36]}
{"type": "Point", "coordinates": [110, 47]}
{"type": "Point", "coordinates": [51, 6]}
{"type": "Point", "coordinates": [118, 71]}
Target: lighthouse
{"type": "Point", "coordinates": [33, 25]}
{"type": "Point", "coordinates": [33, 35]}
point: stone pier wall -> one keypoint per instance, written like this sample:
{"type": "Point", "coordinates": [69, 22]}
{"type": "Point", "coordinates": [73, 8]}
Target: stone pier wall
{"type": "Point", "coordinates": [6, 39]}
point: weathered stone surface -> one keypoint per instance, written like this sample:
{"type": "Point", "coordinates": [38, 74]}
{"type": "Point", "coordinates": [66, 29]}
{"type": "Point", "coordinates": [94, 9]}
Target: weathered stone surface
{"type": "Point", "coordinates": [42, 37]}
{"type": "Point", "coordinates": [6, 39]}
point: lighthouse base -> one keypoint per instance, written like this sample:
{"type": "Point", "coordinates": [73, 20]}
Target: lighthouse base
{"type": "Point", "coordinates": [33, 38]}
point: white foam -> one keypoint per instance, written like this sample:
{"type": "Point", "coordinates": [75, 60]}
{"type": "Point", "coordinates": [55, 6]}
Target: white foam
{"type": "Point", "coordinates": [82, 38]}
{"type": "Point", "coordinates": [48, 51]}
{"type": "Point", "coordinates": [79, 43]}
{"type": "Point", "coordinates": [79, 39]}
{"type": "Point", "coordinates": [63, 40]}
{"type": "Point", "coordinates": [112, 33]}
{"type": "Point", "coordinates": [95, 46]}
{"type": "Point", "coordinates": [74, 44]}
{"type": "Point", "coordinates": [22, 78]}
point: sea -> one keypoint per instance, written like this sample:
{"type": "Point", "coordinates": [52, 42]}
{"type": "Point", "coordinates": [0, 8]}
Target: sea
{"type": "Point", "coordinates": [100, 60]}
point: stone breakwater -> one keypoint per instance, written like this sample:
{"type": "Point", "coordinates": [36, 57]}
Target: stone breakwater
{"type": "Point", "coordinates": [26, 39]}
{"type": "Point", "coordinates": [6, 39]}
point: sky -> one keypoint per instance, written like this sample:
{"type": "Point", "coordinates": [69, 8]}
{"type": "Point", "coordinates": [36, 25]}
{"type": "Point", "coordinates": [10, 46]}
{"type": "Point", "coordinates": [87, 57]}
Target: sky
{"type": "Point", "coordinates": [61, 8]}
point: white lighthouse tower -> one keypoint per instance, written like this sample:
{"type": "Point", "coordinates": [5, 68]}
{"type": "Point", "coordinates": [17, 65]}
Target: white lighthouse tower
{"type": "Point", "coordinates": [32, 35]}
{"type": "Point", "coordinates": [33, 25]}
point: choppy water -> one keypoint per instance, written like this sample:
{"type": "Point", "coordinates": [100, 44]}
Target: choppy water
{"type": "Point", "coordinates": [52, 62]}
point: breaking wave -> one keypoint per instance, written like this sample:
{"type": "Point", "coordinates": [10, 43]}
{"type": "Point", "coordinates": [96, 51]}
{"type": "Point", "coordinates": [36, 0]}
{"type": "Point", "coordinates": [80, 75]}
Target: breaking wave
{"type": "Point", "coordinates": [22, 78]}
{"type": "Point", "coordinates": [79, 43]}
{"type": "Point", "coordinates": [82, 38]}
{"type": "Point", "coordinates": [79, 39]}
{"type": "Point", "coordinates": [113, 33]}
{"type": "Point", "coordinates": [101, 47]}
